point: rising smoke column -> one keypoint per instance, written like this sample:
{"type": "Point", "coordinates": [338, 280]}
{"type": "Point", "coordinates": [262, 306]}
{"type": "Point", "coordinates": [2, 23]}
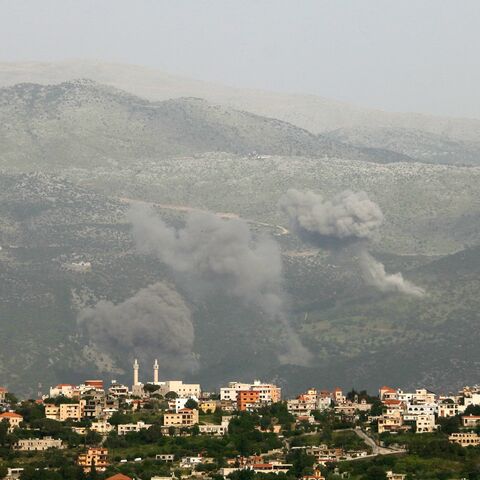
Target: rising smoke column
{"type": "Point", "coordinates": [374, 274]}
{"type": "Point", "coordinates": [224, 255]}
{"type": "Point", "coordinates": [154, 323]}
{"type": "Point", "coordinates": [349, 217]}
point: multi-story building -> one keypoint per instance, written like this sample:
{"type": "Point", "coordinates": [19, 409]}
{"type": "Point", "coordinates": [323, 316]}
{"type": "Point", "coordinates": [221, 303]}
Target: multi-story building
{"type": "Point", "coordinates": [97, 456]}
{"type": "Point", "coordinates": [207, 406]}
{"type": "Point", "coordinates": [37, 444]}
{"type": "Point", "coordinates": [215, 429]}
{"type": "Point", "coordinates": [447, 408]}
{"type": "Point", "coordinates": [125, 428]}
{"type": "Point", "coordinates": [3, 392]}
{"type": "Point", "coordinates": [184, 418]}
{"type": "Point", "coordinates": [230, 393]}
{"type": "Point", "coordinates": [14, 420]}
{"type": "Point", "coordinates": [71, 411]}
{"type": "Point", "coordinates": [471, 421]}
{"type": "Point", "coordinates": [425, 423]}
{"type": "Point", "coordinates": [62, 390]}
{"type": "Point", "coordinates": [102, 427]}
{"type": "Point", "coordinates": [387, 393]}
{"type": "Point", "coordinates": [248, 400]}
{"type": "Point", "coordinates": [465, 439]}
{"type": "Point", "coordinates": [390, 422]}
{"type": "Point", "coordinates": [268, 393]}
{"type": "Point", "coordinates": [180, 388]}
{"type": "Point", "coordinates": [117, 390]}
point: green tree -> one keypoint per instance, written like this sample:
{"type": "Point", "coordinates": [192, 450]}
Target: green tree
{"type": "Point", "coordinates": [3, 432]}
{"type": "Point", "coordinates": [151, 387]}
{"type": "Point", "coordinates": [375, 473]}
{"type": "Point", "coordinates": [191, 403]}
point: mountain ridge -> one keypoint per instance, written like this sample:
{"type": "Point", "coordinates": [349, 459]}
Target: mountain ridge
{"type": "Point", "coordinates": [82, 122]}
{"type": "Point", "coordinates": [314, 113]}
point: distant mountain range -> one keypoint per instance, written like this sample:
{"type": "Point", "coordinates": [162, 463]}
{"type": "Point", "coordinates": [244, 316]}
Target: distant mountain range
{"type": "Point", "coordinates": [81, 141]}
{"type": "Point", "coordinates": [83, 123]}
{"type": "Point", "coordinates": [313, 113]}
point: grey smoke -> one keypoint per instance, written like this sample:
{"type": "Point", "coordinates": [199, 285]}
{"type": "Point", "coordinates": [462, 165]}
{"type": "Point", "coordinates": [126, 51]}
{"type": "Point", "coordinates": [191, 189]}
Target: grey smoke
{"type": "Point", "coordinates": [374, 274]}
{"type": "Point", "coordinates": [347, 217]}
{"type": "Point", "coordinates": [224, 255]}
{"type": "Point", "coordinates": [154, 323]}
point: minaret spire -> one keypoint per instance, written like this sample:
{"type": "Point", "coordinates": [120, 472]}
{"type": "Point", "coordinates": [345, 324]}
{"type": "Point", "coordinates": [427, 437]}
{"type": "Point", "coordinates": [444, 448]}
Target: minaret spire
{"type": "Point", "coordinates": [136, 367]}
{"type": "Point", "coordinates": [155, 371]}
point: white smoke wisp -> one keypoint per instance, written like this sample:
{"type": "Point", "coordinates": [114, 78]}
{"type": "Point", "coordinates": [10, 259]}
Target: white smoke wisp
{"type": "Point", "coordinates": [348, 215]}
{"type": "Point", "coordinates": [374, 274]}
{"type": "Point", "coordinates": [225, 255]}
{"type": "Point", "coordinates": [153, 323]}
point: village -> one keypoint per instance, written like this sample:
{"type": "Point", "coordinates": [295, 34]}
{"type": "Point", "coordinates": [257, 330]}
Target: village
{"type": "Point", "coordinates": [159, 430]}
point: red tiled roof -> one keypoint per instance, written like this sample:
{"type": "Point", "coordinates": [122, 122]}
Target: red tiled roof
{"type": "Point", "coordinates": [388, 389]}
{"type": "Point", "coordinates": [119, 476]}
{"type": "Point", "coordinates": [10, 415]}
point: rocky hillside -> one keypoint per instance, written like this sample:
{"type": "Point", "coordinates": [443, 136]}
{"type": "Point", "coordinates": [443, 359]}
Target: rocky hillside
{"type": "Point", "coordinates": [84, 124]}
{"type": "Point", "coordinates": [420, 145]}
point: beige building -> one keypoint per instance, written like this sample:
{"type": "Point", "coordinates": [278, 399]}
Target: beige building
{"type": "Point", "coordinates": [390, 423]}
{"type": "Point", "coordinates": [97, 456]}
{"type": "Point", "coordinates": [465, 439]}
{"type": "Point", "coordinates": [64, 411]}
{"type": "Point", "coordinates": [102, 427]}
{"type": "Point", "coordinates": [396, 476]}
{"type": "Point", "coordinates": [37, 444]}
{"type": "Point", "coordinates": [184, 418]}
{"type": "Point", "coordinates": [13, 419]}
{"type": "Point", "coordinates": [471, 421]}
{"type": "Point", "coordinates": [71, 411]}
{"type": "Point", "coordinates": [52, 411]}
{"type": "Point", "coordinates": [425, 423]}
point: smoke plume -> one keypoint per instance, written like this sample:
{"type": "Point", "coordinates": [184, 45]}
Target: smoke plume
{"type": "Point", "coordinates": [154, 323]}
{"type": "Point", "coordinates": [374, 274]}
{"type": "Point", "coordinates": [224, 255]}
{"type": "Point", "coordinates": [350, 217]}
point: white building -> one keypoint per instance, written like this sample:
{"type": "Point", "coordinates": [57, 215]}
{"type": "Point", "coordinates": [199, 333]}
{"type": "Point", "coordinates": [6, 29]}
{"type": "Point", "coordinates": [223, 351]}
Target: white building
{"type": "Point", "coordinates": [102, 427]}
{"type": "Point", "coordinates": [179, 403]}
{"type": "Point", "coordinates": [132, 427]}
{"type": "Point", "coordinates": [425, 424]}
{"type": "Point", "coordinates": [214, 429]}
{"type": "Point", "coordinates": [180, 388]}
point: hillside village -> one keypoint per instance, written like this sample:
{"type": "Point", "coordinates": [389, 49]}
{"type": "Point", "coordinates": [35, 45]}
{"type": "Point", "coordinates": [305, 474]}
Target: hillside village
{"type": "Point", "coordinates": [160, 430]}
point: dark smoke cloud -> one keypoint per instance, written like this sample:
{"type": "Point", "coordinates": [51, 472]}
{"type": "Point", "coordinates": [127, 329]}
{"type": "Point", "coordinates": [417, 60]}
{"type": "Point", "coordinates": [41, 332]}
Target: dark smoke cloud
{"type": "Point", "coordinates": [154, 323]}
{"type": "Point", "coordinates": [349, 217]}
{"type": "Point", "coordinates": [224, 255]}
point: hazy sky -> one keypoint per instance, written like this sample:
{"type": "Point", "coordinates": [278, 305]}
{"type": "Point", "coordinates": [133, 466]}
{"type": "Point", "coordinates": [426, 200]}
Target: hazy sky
{"type": "Point", "coordinates": [405, 55]}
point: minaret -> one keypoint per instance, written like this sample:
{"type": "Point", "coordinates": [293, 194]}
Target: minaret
{"type": "Point", "coordinates": [155, 372]}
{"type": "Point", "coordinates": [135, 372]}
